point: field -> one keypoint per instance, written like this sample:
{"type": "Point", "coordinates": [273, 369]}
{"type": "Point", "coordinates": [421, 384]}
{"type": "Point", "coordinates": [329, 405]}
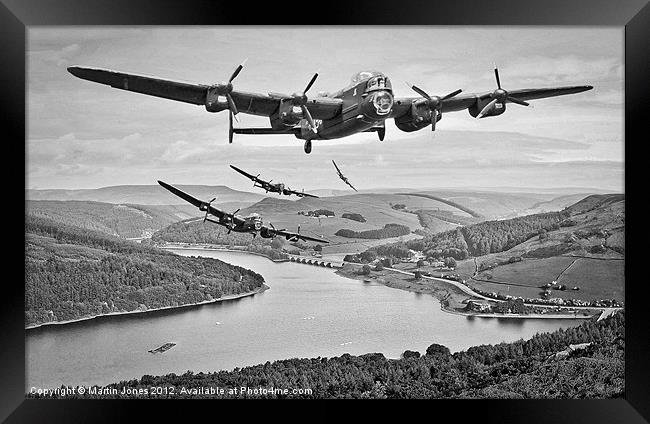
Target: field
{"type": "Point", "coordinates": [603, 279]}
{"type": "Point", "coordinates": [376, 208]}
{"type": "Point", "coordinates": [596, 278]}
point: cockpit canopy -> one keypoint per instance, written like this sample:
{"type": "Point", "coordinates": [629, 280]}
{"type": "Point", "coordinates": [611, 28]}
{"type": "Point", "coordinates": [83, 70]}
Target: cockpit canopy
{"type": "Point", "coordinates": [376, 80]}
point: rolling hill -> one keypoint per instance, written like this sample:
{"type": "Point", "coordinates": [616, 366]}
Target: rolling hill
{"type": "Point", "coordinates": [146, 194]}
{"type": "Point", "coordinates": [73, 273]}
{"type": "Point", "coordinates": [587, 251]}
{"type": "Point", "coordinates": [122, 220]}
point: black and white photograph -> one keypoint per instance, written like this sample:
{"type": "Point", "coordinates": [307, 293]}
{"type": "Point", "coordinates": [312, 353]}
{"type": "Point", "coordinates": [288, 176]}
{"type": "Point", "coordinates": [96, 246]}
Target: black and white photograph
{"type": "Point", "coordinates": [370, 212]}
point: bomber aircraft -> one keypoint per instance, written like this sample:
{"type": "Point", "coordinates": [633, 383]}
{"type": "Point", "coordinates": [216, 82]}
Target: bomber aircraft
{"type": "Point", "coordinates": [233, 222]}
{"type": "Point", "coordinates": [343, 177]}
{"type": "Point", "coordinates": [272, 187]}
{"type": "Point", "coordinates": [362, 106]}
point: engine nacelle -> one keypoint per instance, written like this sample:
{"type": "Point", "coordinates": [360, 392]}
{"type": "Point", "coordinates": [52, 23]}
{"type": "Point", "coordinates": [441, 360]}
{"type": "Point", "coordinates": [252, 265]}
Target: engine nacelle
{"type": "Point", "coordinates": [288, 115]}
{"type": "Point", "coordinates": [498, 109]}
{"type": "Point", "coordinates": [215, 99]}
{"type": "Point", "coordinates": [265, 233]}
{"type": "Point", "coordinates": [418, 118]}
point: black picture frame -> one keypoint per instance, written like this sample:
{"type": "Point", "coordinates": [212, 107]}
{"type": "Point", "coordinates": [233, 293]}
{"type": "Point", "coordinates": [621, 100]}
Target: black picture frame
{"type": "Point", "coordinates": [634, 15]}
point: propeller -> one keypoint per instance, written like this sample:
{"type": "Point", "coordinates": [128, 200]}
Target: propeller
{"type": "Point", "coordinates": [499, 96]}
{"type": "Point", "coordinates": [225, 89]}
{"type": "Point", "coordinates": [230, 226]}
{"type": "Point", "coordinates": [207, 209]}
{"type": "Point", "coordinates": [434, 102]}
{"type": "Point", "coordinates": [273, 226]}
{"type": "Point", "coordinates": [300, 99]}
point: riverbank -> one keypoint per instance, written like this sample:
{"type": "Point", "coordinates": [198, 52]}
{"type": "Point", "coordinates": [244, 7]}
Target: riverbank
{"type": "Point", "coordinates": [453, 298]}
{"type": "Point", "coordinates": [263, 288]}
{"type": "Point", "coordinates": [218, 249]}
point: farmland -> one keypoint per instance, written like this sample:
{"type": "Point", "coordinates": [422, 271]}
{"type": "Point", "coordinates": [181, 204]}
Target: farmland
{"type": "Point", "coordinates": [596, 278]}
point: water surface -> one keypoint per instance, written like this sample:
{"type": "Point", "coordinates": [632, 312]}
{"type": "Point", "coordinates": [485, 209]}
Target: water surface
{"type": "Point", "coordinates": [308, 311]}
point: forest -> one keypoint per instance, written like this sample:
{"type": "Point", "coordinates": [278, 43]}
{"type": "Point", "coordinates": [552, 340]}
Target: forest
{"type": "Point", "coordinates": [389, 230]}
{"type": "Point", "coordinates": [533, 368]}
{"type": "Point", "coordinates": [477, 239]}
{"type": "Point", "coordinates": [205, 233]}
{"type": "Point", "coordinates": [354, 217]}
{"type": "Point", "coordinates": [73, 273]}
{"type": "Point", "coordinates": [120, 220]}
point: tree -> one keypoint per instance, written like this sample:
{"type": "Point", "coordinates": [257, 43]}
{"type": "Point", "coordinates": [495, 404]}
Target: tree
{"type": "Point", "coordinates": [379, 267]}
{"type": "Point", "coordinates": [543, 235]}
{"type": "Point", "coordinates": [277, 243]}
{"type": "Point", "coordinates": [368, 256]}
{"type": "Point", "coordinates": [410, 354]}
{"type": "Point", "coordinates": [438, 350]}
{"type": "Point", "coordinates": [318, 248]}
{"type": "Point", "coordinates": [417, 275]}
{"type": "Point", "coordinates": [365, 270]}
{"type": "Point", "coordinates": [420, 263]}
{"type": "Point", "coordinates": [450, 262]}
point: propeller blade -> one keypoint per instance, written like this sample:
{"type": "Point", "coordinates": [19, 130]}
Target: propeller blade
{"type": "Point", "coordinates": [519, 102]}
{"type": "Point", "coordinates": [237, 71]}
{"type": "Point", "coordinates": [421, 92]}
{"type": "Point", "coordinates": [450, 95]}
{"type": "Point", "coordinates": [207, 209]}
{"type": "Point", "coordinates": [487, 108]}
{"type": "Point", "coordinates": [305, 111]}
{"type": "Point", "coordinates": [496, 74]}
{"type": "Point", "coordinates": [231, 104]}
{"type": "Point", "coordinates": [434, 119]}
{"type": "Point", "coordinates": [235, 212]}
{"type": "Point", "coordinates": [230, 129]}
{"type": "Point", "coordinates": [310, 83]}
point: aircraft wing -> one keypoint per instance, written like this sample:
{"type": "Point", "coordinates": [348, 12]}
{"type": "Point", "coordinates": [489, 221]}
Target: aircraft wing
{"type": "Point", "coordinates": [337, 169]}
{"type": "Point", "coordinates": [348, 183]}
{"type": "Point", "coordinates": [403, 105]}
{"type": "Point", "coordinates": [247, 175]}
{"type": "Point", "coordinates": [198, 203]}
{"type": "Point", "coordinates": [250, 103]}
{"type": "Point", "coordinates": [300, 193]}
{"type": "Point", "coordinates": [294, 236]}
{"type": "Point", "coordinates": [179, 91]}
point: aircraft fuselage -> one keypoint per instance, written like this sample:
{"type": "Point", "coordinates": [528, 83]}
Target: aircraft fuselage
{"type": "Point", "coordinates": [367, 103]}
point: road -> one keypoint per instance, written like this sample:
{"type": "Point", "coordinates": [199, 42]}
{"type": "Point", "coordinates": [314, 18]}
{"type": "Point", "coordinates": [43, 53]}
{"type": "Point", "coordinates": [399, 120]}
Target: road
{"type": "Point", "coordinates": [606, 311]}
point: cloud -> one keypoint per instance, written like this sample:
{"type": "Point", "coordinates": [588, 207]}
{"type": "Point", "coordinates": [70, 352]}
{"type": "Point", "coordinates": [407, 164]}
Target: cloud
{"type": "Point", "coordinates": [109, 136]}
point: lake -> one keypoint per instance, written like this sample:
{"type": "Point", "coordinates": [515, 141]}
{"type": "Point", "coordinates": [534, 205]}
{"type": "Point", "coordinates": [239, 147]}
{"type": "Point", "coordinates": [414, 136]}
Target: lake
{"type": "Point", "coordinates": [308, 311]}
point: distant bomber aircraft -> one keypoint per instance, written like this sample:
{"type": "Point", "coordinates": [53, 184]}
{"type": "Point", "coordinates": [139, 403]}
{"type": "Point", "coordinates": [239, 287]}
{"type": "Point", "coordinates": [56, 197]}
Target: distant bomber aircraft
{"type": "Point", "coordinates": [343, 177]}
{"type": "Point", "coordinates": [248, 224]}
{"type": "Point", "coordinates": [362, 106]}
{"type": "Point", "coordinates": [274, 188]}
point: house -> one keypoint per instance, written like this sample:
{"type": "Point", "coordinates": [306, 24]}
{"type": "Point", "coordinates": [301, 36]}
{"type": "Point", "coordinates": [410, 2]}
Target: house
{"type": "Point", "coordinates": [478, 306]}
{"type": "Point", "coordinates": [415, 255]}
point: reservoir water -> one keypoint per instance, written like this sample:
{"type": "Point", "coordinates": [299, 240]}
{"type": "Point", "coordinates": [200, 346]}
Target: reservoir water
{"type": "Point", "coordinates": [309, 311]}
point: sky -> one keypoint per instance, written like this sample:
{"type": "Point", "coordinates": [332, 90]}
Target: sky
{"type": "Point", "coordinates": [87, 135]}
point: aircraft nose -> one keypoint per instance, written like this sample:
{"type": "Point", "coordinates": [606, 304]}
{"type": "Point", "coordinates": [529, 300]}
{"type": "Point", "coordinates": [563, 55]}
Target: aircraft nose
{"type": "Point", "coordinates": [383, 102]}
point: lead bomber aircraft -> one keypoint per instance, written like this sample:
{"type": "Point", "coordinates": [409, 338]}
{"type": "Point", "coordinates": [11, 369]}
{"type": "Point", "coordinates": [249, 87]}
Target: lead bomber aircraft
{"type": "Point", "coordinates": [362, 106]}
{"type": "Point", "coordinates": [233, 222]}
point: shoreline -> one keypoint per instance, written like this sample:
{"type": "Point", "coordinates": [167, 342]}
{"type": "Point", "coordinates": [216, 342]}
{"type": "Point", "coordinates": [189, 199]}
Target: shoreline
{"type": "Point", "coordinates": [262, 289]}
{"type": "Point", "coordinates": [219, 249]}
{"type": "Point", "coordinates": [450, 293]}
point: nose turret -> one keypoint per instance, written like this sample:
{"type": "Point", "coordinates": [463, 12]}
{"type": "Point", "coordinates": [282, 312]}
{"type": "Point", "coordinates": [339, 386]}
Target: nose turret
{"type": "Point", "coordinates": [382, 101]}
